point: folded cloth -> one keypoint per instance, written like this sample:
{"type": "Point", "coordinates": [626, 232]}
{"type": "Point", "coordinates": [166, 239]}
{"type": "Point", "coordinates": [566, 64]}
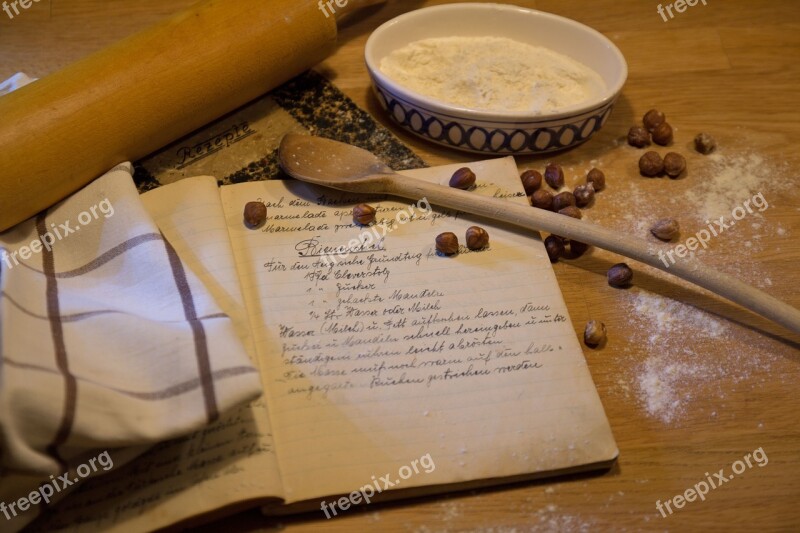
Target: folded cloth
{"type": "Point", "coordinates": [107, 339]}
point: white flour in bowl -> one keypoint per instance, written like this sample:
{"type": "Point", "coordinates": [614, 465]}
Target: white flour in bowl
{"type": "Point", "coordinates": [492, 74]}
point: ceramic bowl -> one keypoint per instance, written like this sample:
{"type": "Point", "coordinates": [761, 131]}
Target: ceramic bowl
{"type": "Point", "coordinates": [488, 131]}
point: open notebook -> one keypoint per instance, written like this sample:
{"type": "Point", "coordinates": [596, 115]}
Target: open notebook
{"type": "Point", "coordinates": [384, 364]}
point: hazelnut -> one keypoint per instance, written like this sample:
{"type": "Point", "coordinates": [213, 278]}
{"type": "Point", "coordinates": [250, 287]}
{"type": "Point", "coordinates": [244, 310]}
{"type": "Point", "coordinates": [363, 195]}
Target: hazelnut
{"type": "Point", "coordinates": [662, 134]}
{"type": "Point", "coordinates": [531, 180]}
{"type": "Point", "coordinates": [562, 200]}
{"type": "Point", "coordinates": [674, 164]}
{"type": "Point", "coordinates": [255, 214]}
{"type": "Point", "coordinates": [554, 246]}
{"type": "Point", "coordinates": [477, 238]}
{"type": "Point", "coordinates": [595, 333]}
{"type": "Point", "coordinates": [597, 179]}
{"type": "Point", "coordinates": [653, 119]}
{"type": "Point", "coordinates": [666, 229]}
{"type": "Point", "coordinates": [542, 200]}
{"type": "Point", "coordinates": [704, 143]}
{"type": "Point", "coordinates": [577, 248]}
{"type": "Point", "coordinates": [620, 275]}
{"type": "Point", "coordinates": [364, 214]}
{"type": "Point", "coordinates": [554, 176]}
{"type": "Point", "coordinates": [570, 211]}
{"type": "Point", "coordinates": [463, 178]}
{"type": "Point", "coordinates": [447, 243]}
{"type": "Point", "coordinates": [584, 194]}
{"type": "Point", "coordinates": [651, 164]}
{"type": "Point", "coordinates": [638, 137]}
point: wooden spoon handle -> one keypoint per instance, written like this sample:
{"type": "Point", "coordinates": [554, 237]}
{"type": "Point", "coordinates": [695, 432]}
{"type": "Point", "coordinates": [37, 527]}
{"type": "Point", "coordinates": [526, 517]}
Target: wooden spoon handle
{"type": "Point", "coordinates": [638, 249]}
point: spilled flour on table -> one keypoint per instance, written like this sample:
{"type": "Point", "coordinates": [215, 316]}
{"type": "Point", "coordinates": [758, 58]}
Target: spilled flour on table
{"type": "Point", "coordinates": [729, 181]}
{"type": "Point", "coordinates": [677, 367]}
{"type": "Point", "coordinates": [662, 385]}
{"type": "Point", "coordinates": [667, 317]}
{"type": "Point", "coordinates": [551, 520]}
{"type": "Point", "coordinates": [670, 342]}
{"type": "Point", "coordinates": [663, 378]}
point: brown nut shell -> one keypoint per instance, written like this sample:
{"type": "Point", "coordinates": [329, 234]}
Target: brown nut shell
{"type": "Point", "coordinates": [674, 164]}
{"type": "Point", "coordinates": [562, 200]}
{"type": "Point", "coordinates": [638, 137]}
{"type": "Point", "coordinates": [477, 238]}
{"type": "Point", "coordinates": [571, 211]}
{"type": "Point", "coordinates": [666, 229]}
{"type": "Point", "coordinates": [595, 333]}
{"type": "Point", "coordinates": [554, 176]}
{"type": "Point", "coordinates": [554, 246]}
{"type": "Point", "coordinates": [597, 178]}
{"type": "Point", "coordinates": [463, 178]}
{"type": "Point", "coordinates": [447, 243]}
{"type": "Point", "coordinates": [577, 249]}
{"type": "Point", "coordinates": [620, 275]}
{"type": "Point", "coordinates": [651, 164]}
{"type": "Point", "coordinates": [584, 194]}
{"type": "Point", "coordinates": [663, 134]}
{"type": "Point", "coordinates": [255, 214]}
{"type": "Point", "coordinates": [531, 181]}
{"type": "Point", "coordinates": [704, 143]}
{"type": "Point", "coordinates": [653, 119]}
{"type": "Point", "coordinates": [542, 200]}
{"type": "Point", "coordinates": [364, 214]}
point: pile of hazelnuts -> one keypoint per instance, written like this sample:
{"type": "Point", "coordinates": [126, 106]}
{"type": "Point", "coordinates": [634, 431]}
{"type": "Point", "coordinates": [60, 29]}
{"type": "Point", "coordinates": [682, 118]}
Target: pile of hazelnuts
{"type": "Point", "coordinates": [565, 203]}
{"type": "Point", "coordinates": [655, 126]}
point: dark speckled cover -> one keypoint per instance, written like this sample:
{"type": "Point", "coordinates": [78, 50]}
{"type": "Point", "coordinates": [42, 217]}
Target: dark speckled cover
{"type": "Point", "coordinates": [242, 146]}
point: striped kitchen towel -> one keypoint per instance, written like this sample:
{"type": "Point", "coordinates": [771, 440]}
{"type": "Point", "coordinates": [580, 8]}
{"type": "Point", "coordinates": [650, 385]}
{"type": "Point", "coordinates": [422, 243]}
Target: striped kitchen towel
{"type": "Point", "coordinates": [107, 339]}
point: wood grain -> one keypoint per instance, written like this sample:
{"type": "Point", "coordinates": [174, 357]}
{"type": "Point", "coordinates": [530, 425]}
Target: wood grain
{"type": "Point", "coordinates": [728, 68]}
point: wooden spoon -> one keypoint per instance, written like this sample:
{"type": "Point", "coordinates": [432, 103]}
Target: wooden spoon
{"type": "Point", "coordinates": [347, 168]}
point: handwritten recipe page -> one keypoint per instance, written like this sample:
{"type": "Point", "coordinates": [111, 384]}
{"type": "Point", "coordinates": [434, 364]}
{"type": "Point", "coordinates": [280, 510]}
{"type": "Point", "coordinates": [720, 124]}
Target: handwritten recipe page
{"type": "Point", "coordinates": [376, 350]}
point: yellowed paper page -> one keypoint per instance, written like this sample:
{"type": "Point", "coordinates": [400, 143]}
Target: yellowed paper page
{"type": "Point", "coordinates": [225, 464]}
{"type": "Point", "coordinates": [388, 357]}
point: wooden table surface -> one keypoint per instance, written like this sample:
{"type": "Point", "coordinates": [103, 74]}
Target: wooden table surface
{"type": "Point", "coordinates": [690, 383]}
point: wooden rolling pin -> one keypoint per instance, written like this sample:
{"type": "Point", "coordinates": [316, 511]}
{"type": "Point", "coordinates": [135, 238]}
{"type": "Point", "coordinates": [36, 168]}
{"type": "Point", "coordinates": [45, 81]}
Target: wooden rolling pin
{"type": "Point", "coordinates": [126, 101]}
